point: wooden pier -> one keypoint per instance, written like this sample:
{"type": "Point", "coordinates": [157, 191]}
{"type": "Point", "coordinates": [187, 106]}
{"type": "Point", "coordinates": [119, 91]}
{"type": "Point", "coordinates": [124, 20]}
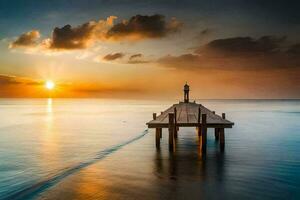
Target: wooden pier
{"type": "Point", "coordinates": [189, 114]}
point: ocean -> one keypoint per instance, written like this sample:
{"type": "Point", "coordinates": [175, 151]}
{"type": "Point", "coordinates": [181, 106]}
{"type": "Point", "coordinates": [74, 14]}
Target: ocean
{"type": "Point", "coordinates": [102, 149]}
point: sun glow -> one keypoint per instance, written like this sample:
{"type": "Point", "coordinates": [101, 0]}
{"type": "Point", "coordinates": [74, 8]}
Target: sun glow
{"type": "Point", "coordinates": [50, 85]}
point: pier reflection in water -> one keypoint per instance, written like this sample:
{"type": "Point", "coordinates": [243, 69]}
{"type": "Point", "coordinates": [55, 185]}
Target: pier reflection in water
{"type": "Point", "coordinates": [186, 171]}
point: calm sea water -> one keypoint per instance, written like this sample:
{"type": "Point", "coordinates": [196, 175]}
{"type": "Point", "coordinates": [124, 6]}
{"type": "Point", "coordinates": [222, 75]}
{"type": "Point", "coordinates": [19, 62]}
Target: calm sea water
{"type": "Point", "coordinates": [100, 149]}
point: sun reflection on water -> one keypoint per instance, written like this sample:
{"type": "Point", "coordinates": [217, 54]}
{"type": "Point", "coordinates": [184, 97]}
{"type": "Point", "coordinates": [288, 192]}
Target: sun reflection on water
{"type": "Point", "coordinates": [50, 144]}
{"type": "Point", "coordinates": [49, 105]}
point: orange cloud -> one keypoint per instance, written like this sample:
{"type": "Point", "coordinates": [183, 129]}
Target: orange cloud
{"type": "Point", "coordinates": [80, 37]}
{"type": "Point", "coordinates": [14, 86]}
{"type": "Point", "coordinates": [66, 38]}
{"type": "Point", "coordinates": [14, 80]}
{"type": "Point", "coordinates": [28, 39]}
{"type": "Point", "coordinates": [87, 34]}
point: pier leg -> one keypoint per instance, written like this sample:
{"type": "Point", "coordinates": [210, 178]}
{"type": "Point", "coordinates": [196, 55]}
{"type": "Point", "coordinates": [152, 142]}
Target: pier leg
{"type": "Point", "coordinates": [217, 131]}
{"type": "Point", "coordinates": [175, 132]}
{"type": "Point", "coordinates": [222, 135]}
{"type": "Point", "coordinates": [175, 123]}
{"type": "Point", "coordinates": [222, 139]}
{"type": "Point", "coordinates": [157, 137]}
{"type": "Point", "coordinates": [160, 133]}
{"type": "Point", "coordinates": [199, 131]}
{"type": "Point", "coordinates": [204, 133]}
{"type": "Point", "coordinates": [171, 131]}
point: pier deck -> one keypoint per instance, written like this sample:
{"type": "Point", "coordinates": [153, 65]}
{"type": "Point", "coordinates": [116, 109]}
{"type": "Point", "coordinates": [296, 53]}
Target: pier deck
{"type": "Point", "coordinates": [187, 116]}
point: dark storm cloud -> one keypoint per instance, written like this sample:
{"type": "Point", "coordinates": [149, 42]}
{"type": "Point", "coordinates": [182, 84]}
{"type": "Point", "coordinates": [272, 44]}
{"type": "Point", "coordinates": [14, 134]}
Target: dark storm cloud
{"type": "Point", "coordinates": [244, 53]}
{"type": "Point", "coordinates": [144, 26]}
{"type": "Point", "coordinates": [69, 37]}
{"type": "Point", "coordinates": [113, 56]}
{"type": "Point", "coordinates": [28, 39]}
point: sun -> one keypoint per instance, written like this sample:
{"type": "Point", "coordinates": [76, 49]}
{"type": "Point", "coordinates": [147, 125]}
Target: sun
{"type": "Point", "coordinates": [50, 85]}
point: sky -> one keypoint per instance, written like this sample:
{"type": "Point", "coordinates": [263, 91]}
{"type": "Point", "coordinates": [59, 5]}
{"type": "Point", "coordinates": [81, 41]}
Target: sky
{"type": "Point", "coordinates": [234, 49]}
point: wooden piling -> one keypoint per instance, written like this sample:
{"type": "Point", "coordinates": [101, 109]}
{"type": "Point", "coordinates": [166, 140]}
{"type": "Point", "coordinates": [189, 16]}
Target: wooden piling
{"type": "Point", "coordinates": [222, 135]}
{"type": "Point", "coordinates": [199, 122]}
{"type": "Point", "coordinates": [217, 134]}
{"type": "Point", "coordinates": [217, 130]}
{"type": "Point", "coordinates": [222, 139]}
{"type": "Point", "coordinates": [160, 133]}
{"type": "Point", "coordinates": [157, 137]}
{"type": "Point", "coordinates": [204, 133]}
{"type": "Point", "coordinates": [171, 131]}
{"type": "Point", "coordinates": [175, 123]}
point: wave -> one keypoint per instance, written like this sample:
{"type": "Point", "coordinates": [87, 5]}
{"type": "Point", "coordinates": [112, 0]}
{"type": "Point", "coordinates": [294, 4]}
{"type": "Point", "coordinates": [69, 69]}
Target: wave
{"type": "Point", "coordinates": [31, 191]}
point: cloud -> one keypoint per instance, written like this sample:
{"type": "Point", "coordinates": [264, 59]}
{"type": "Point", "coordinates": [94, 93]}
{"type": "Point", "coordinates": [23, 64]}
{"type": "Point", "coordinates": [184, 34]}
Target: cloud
{"type": "Point", "coordinates": [28, 39]}
{"type": "Point", "coordinates": [143, 26]}
{"type": "Point", "coordinates": [184, 61]}
{"type": "Point", "coordinates": [137, 59]}
{"type": "Point", "coordinates": [133, 59]}
{"type": "Point", "coordinates": [72, 38]}
{"type": "Point", "coordinates": [243, 45]}
{"type": "Point", "coordinates": [15, 80]}
{"type": "Point", "coordinates": [134, 56]}
{"type": "Point", "coordinates": [87, 34]}
{"type": "Point", "coordinates": [239, 53]}
{"type": "Point", "coordinates": [8, 80]}
{"type": "Point", "coordinates": [79, 37]}
{"type": "Point", "coordinates": [113, 56]}
{"type": "Point", "coordinates": [66, 37]}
